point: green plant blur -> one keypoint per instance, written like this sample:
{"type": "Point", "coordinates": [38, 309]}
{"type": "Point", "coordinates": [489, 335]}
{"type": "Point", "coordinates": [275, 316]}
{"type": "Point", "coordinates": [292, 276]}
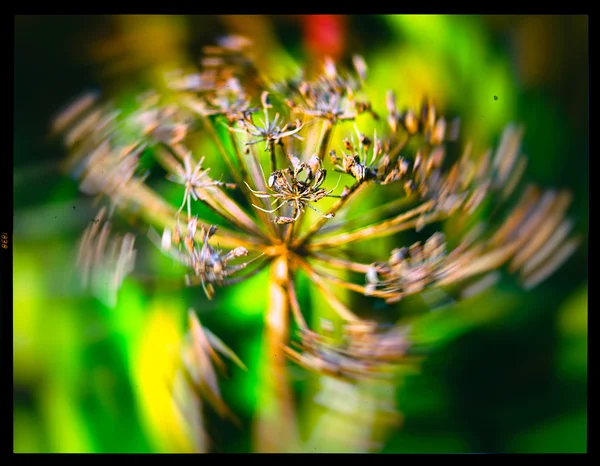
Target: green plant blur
{"type": "Point", "coordinates": [507, 370]}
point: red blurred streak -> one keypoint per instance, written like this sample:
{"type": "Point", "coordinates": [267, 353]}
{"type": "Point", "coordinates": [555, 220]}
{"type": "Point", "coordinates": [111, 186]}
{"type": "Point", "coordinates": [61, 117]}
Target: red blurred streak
{"type": "Point", "coordinates": [325, 35]}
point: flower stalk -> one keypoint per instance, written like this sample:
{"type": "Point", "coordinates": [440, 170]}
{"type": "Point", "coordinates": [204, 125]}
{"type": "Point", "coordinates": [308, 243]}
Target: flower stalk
{"type": "Point", "coordinates": [276, 425]}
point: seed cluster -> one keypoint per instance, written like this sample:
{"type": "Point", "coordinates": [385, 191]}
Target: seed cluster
{"type": "Point", "coordinates": [331, 96]}
{"type": "Point", "coordinates": [287, 189]}
{"type": "Point", "coordinates": [209, 266]}
{"type": "Point", "coordinates": [364, 352]}
{"type": "Point", "coordinates": [264, 198]}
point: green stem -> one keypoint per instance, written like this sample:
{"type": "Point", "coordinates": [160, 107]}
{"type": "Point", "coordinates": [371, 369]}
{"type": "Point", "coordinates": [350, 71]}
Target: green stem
{"type": "Point", "coordinates": [275, 426]}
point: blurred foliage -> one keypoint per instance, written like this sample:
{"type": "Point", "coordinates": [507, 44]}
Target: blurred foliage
{"type": "Point", "coordinates": [503, 372]}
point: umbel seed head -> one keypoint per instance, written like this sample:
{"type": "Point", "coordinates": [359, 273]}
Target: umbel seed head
{"type": "Point", "coordinates": [281, 200]}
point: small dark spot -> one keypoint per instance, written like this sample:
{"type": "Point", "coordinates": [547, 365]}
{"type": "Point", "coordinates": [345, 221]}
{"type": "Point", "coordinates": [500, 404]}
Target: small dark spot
{"type": "Point", "coordinates": [55, 217]}
{"type": "Point", "coordinates": [495, 97]}
{"type": "Point", "coordinates": [73, 207]}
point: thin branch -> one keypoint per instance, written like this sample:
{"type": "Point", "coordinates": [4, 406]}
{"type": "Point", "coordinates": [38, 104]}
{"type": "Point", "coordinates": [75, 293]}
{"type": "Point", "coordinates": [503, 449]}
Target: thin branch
{"type": "Point", "coordinates": [473, 266]}
{"type": "Point", "coordinates": [388, 227]}
{"type": "Point", "coordinates": [558, 258]}
{"type": "Point", "coordinates": [162, 215]}
{"type": "Point", "coordinates": [357, 288]}
{"type": "Point", "coordinates": [241, 278]}
{"type": "Point", "coordinates": [219, 202]}
{"type": "Point", "coordinates": [238, 157]}
{"type": "Point", "coordinates": [167, 161]}
{"type": "Point", "coordinates": [230, 210]}
{"type": "Point", "coordinates": [288, 236]}
{"type": "Point", "coordinates": [258, 177]}
{"type": "Point", "coordinates": [245, 190]}
{"type": "Point", "coordinates": [327, 132]}
{"type": "Point", "coordinates": [341, 263]}
{"type": "Point", "coordinates": [354, 191]}
{"type": "Point", "coordinates": [371, 215]}
{"type": "Point", "coordinates": [334, 302]}
{"type": "Point", "coordinates": [208, 125]}
{"type": "Point", "coordinates": [295, 305]}
{"type": "Point", "coordinates": [542, 231]}
{"type": "Point", "coordinates": [271, 149]}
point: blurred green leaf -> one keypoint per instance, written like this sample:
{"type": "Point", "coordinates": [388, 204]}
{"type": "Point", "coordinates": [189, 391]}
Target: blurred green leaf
{"type": "Point", "coordinates": [565, 434]}
{"type": "Point", "coordinates": [572, 328]}
{"type": "Point", "coordinates": [446, 323]}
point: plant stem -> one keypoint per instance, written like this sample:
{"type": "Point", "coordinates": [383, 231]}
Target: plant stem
{"type": "Point", "coordinates": [288, 236]}
{"type": "Point", "coordinates": [300, 321]}
{"type": "Point", "coordinates": [275, 426]}
{"type": "Point", "coordinates": [273, 156]}
{"type": "Point", "coordinates": [327, 129]}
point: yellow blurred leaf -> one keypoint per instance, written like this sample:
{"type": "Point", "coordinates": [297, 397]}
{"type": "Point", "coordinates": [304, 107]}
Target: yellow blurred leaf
{"type": "Point", "coordinates": [156, 359]}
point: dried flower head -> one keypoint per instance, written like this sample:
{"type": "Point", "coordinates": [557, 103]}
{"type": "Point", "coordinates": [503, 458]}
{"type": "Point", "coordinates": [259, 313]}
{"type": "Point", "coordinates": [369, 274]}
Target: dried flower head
{"type": "Point", "coordinates": [209, 266]}
{"type": "Point", "coordinates": [195, 181]}
{"type": "Point", "coordinates": [365, 351]}
{"type": "Point", "coordinates": [409, 270]}
{"type": "Point", "coordinates": [287, 189]}
{"type": "Point", "coordinates": [331, 96]}
{"type": "Point", "coordinates": [105, 261]}
{"type": "Point", "coordinates": [269, 130]}
{"type": "Point", "coordinates": [407, 156]}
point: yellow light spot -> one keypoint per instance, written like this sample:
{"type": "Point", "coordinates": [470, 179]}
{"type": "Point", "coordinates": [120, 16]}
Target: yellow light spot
{"type": "Point", "coordinates": [156, 361]}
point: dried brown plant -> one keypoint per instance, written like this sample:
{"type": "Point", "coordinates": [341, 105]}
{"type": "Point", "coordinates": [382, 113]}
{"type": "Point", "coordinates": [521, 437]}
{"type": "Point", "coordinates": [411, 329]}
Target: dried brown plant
{"type": "Point", "coordinates": [266, 204]}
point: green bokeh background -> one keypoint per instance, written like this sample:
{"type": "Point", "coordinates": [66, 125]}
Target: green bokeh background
{"type": "Point", "coordinates": [507, 371]}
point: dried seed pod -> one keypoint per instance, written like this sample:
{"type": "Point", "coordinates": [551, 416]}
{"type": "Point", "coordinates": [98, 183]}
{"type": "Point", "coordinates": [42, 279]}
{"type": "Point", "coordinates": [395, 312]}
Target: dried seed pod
{"type": "Point", "coordinates": [329, 68]}
{"type": "Point", "coordinates": [410, 122]}
{"type": "Point", "coordinates": [283, 220]}
{"type": "Point", "coordinates": [287, 188]}
{"type": "Point", "coordinates": [366, 352]}
{"type": "Point", "coordinates": [360, 66]}
{"type": "Point", "coordinates": [104, 260]}
{"type": "Point", "coordinates": [439, 131]}
{"type": "Point", "coordinates": [428, 115]}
